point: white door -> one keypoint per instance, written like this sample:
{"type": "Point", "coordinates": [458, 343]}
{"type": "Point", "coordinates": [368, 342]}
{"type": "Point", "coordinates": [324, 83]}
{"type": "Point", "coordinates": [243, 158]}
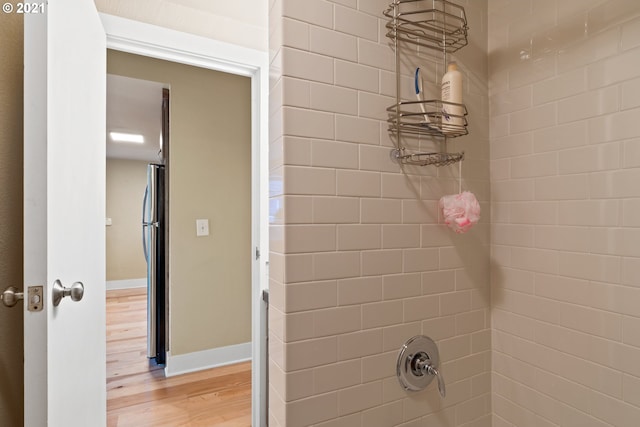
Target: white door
{"type": "Point", "coordinates": [64, 213]}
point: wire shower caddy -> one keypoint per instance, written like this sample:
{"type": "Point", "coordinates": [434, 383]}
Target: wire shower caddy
{"type": "Point", "coordinates": [436, 25]}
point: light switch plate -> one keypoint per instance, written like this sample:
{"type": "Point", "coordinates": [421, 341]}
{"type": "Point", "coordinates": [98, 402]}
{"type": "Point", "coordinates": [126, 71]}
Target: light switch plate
{"type": "Point", "coordinates": [202, 227]}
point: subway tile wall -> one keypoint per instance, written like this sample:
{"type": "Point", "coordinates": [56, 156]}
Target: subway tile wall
{"type": "Point", "coordinates": [360, 261]}
{"type": "Point", "coordinates": [565, 235]}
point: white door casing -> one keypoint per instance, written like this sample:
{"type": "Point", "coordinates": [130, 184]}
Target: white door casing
{"type": "Point", "coordinates": [149, 40]}
{"type": "Point", "coordinates": [64, 207]}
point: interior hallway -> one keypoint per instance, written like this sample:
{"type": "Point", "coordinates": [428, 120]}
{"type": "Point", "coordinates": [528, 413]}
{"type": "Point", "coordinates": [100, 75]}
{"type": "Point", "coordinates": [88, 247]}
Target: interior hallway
{"type": "Point", "coordinates": [139, 395]}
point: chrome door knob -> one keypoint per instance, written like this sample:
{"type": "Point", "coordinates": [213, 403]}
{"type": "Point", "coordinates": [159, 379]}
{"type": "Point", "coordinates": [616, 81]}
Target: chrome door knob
{"type": "Point", "coordinates": [11, 296]}
{"type": "Point", "coordinates": [76, 292]}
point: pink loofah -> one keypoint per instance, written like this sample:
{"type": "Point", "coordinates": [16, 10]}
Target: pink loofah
{"type": "Point", "coordinates": [460, 211]}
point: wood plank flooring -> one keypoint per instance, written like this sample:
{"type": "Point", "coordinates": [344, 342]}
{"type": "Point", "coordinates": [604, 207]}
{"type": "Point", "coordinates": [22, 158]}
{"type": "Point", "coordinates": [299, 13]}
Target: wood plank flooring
{"type": "Point", "coordinates": [138, 394]}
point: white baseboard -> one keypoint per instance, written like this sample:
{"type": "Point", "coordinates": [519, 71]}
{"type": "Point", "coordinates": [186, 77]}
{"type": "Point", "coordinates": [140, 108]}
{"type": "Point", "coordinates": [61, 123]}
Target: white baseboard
{"type": "Point", "coordinates": [126, 284]}
{"type": "Point", "coordinates": [207, 359]}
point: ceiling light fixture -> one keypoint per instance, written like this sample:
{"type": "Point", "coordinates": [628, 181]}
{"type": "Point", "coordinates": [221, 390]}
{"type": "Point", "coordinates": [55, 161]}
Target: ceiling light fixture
{"type": "Point", "coordinates": [126, 137]}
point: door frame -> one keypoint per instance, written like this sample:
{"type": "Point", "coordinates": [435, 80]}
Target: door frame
{"type": "Point", "coordinates": [162, 43]}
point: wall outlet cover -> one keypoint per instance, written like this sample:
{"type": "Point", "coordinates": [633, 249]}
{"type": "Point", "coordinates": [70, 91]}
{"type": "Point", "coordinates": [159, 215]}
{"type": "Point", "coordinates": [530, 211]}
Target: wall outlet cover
{"type": "Point", "coordinates": [202, 227]}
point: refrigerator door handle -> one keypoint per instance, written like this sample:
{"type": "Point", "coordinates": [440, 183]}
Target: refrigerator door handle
{"type": "Point", "coordinates": [145, 224]}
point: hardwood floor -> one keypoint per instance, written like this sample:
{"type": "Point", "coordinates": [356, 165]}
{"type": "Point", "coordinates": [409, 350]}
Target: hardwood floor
{"type": "Point", "coordinates": [138, 395]}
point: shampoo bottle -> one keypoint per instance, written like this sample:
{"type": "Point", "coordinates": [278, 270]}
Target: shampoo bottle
{"type": "Point", "coordinates": [452, 115]}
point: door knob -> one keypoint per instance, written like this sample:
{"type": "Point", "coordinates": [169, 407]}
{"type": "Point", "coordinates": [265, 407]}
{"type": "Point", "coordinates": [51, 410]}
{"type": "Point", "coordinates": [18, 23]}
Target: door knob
{"type": "Point", "coordinates": [76, 292]}
{"type": "Point", "coordinates": [11, 296]}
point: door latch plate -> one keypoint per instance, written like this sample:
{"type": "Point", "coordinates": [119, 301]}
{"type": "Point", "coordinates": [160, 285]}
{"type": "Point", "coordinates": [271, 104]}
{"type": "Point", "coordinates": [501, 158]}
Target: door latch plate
{"type": "Point", "coordinates": [36, 298]}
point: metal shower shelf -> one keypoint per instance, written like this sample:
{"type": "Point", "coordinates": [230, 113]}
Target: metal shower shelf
{"type": "Point", "coordinates": [434, 24]}
{"type": "Point", "coordinates": [426, 159]}
{"type": "Point", "coordinates": [428, 118]}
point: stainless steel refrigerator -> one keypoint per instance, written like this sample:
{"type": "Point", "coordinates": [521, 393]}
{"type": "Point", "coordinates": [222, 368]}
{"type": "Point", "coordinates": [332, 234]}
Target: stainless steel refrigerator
{"type": "Point", "coordinates": [153, 243]}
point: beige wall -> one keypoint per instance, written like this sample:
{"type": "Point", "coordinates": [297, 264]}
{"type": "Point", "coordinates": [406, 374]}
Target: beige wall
{"type": "Point", "coordinates": [243, 23]}
{"type": "Point", "coordinates": [209, 178]}
{"type": "Point", "coordinates": [359, 260]}
{"type": "Point", "coordinates": [11, 385]}
{"type": "Point", "coordinates": [126, 181]}
{"type": "Point", "coordinates": [565, 167]}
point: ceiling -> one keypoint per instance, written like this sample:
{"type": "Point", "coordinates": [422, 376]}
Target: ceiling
{"type": "Point", "coordinates": [134, 106]}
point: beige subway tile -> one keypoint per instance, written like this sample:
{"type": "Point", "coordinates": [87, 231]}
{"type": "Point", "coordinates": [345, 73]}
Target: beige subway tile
{"type": "Point", "coordinates": [359, 344]}
{"type": "Point", "coordinates": [619, 299]}
{"type": "Point", "coordinates": [614, 411]}
{"type": "Point", "coordinates": [469, 322]}
{"type": "Point", "coordinates": [630, 331]}
{"type": "Point", "coordinates": [296, 151]}
{"type": "Point", "coordinates": [358, 183]}
{"type": "Point", "coordinates": [631, 271]}
{"type": "Point", "coordinates": [356, 23]}
{"type": "Point", "coordinates": [439, 328]}
{"type": "Point", "coordinates": [295, 34]}
{"type": "Point", "coordinates": [393, 337]}
{"type": "Point", "coordinates": [379, 366]}
{"type": "Point", "coordinates": [561, 137]}
{"type": "Point", "coordinates": [356, 76]}
{"type": "Point", "coordinates": [295, 92]}
{"type": "Point", "coordinates": [383, 416]}
{"type": "Point", "coordinates": [613, 127]}
{"type": "Point", "coordinates": [381, 262]}
{"type": "Point", "coordinates": [338, 265]}
{"type": "Point", "coordinates": [566, 289]}
{"type": "Point", "coordinates": [565, 238]}
{"type": "Point", "coordinates": [513, 323]}
{"type": "Point", "coordinates": [451, 257]}
{"type": "Point", "coordinates": [314, 12]}
{"type": "Point", "coordinates": [418, 260]}
{"type": "Point", "coordinates": [311, 296]}
{"type": "Point", "coordinates": [339, 320]}
{"type": "Point", "coordinates": [296, 209]}
{"type": "Point", "coordinates": [311, 353]}
{"type": "Point", "coordinates": [377, 314]}
{"type": "Point", "coordinates": [590, 266]}
{"type": "Point", "coordinates": [333, 210]}
{"type": "Point", "coordinates": [537, 260]}
{"type": "Point", "coordinates": [589, 104]}
{"type": "Point", "coordinates": [380, 211]}
{"type": "Point", "coordinates": [481, 342]}
{"type": "Point", "coordinates": [592, 49]}
{"type": "Point", "coordinates": [630, 94]}
{"type": "Point", "coordinates": [588, 212]}
{"type": "Point", "coordinates": [420, 211]}
{"type": "Point", "coordinates": [308, 123]}
{"type": "Point", "coordinates": [392, 390]}
{"type": "Point", "coordinates": [373, 106]}
{"type": "Point", "coordinates": [306, 65]}
{"type": "Point", "coordinates": [377, 159]}
{"type": "Point", "coordinates": [421, 308]}
{"type": "Point", "coordinates": [400, 186]}
{"type": "Point", "coordinates": [336, 376]}
{"type": "Point", "coordinates": [310, 238]}
{"type": "Point", "coordinates": [631, 389]}
{"type": "Point", "coordinates": [436, 282]}
{"type": "Point", "coordinates": [334, 154]}
{"type": "Point", "coordinates": [357, 129]}
{"type": "Point", "coordinates": [630, 34]}
{"type": "Point", "coordinates": [360, 397]}
{"type": "Point", "coordinates": [615, 184]}
{"type": "Point", "coordinates": [590, 159]}
{"type": "Point", "coordinates": [298, 268]}
{"type": "Point", "coordinates": [359, 290]}
{"type": "Point", "coordinates": [565, 187]}
{"type": "Point", "coordinates": [401, 286]}
{"type": "Point", "coordinates": [530, 71]}
{"type": "Point", "coordinates": [512, 235]}
{"type": "Point", "coordinates": [510, 101]}
{"type": "Point", "coordinates": [614, 69]}
{"type": "Point", "coordinates": [436, 235]}
{"type": "Point", "coordinates": [359, 237]}
{"type": "Point", "coordinates": [312, 410]}
{"type": "Point", "coordinates": [299, 384]}
{"type": "Point", "coordinates": [511, 146]}
{"type": "Point", "coordinates": [512, 190]}
{"type": "Point", "coordinates": [537, 165]}
{"type": "Point", "coordinates": [333, 99]}
{"type": "Point", "coordinates": [400, 236]}
{"type": "Point", "coordinates": [298, 326]}
{"type": "Point", "coordinates": [375, 55]}
{"type": "Point", "coordinates": [455, 302]}
{"type": "Point", "coordinates": [630, 212]}
{"type": "Point", "coordinates": [562, 86]}
{"type": "Point", "coordinates": [332, 43]}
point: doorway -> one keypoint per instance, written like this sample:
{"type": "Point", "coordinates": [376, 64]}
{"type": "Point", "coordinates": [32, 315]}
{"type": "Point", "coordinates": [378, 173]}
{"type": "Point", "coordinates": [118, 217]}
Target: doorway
{"type": "Point", "coordinates": [210, 226]}
{"type": "Point", "coordinates": [161, 43]}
